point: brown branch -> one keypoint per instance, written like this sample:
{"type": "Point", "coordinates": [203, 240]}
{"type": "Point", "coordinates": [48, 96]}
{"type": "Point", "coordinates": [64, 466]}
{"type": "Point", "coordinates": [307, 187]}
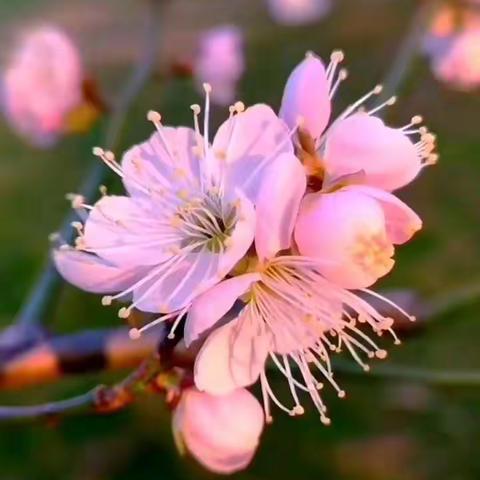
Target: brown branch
{"type": "Point", "coordinates": [75, 354]}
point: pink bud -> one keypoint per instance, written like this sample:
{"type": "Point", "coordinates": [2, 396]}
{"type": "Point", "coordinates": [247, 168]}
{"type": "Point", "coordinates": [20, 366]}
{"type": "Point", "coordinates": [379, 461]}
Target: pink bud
{"type": "Point", "coordinates": [298, 12]}
{"type": "Point", "coordinates": [347, 230]}
{"type": "Point", "coordinates": [41, 85]}
{"type": "Point", "coordinates": [221, 432]}
{"type": "Point", "coordinates": [306, 97]}
{"type": "Point", "coordinates": [459, 65]}
{"type": "Point", "coordinates": [220, 62]}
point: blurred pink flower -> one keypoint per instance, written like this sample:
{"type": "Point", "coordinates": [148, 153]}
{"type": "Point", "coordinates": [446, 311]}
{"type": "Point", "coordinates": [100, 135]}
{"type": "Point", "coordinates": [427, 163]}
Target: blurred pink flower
{"type": "Point", "coordinates": [356, 141]}
{"type": "Point", "coordinates": [452, 44]}
{"type": "Point", "coordinates": [289, 311]}
{"type": "Point", "coordinates": [363, 224]}
{"type": "Point", "coordinates": [188, 219]}
{"type": "Point", "coordinates": [459, 64]}
{"type": "Point", "coordinates": [41, 85]}
{"type": "Point", "coordinates": [221, 432]}
{"type": "Point", "coordinates": [298, 12]}
{"type": "Point", "coordinates": [220, 62]}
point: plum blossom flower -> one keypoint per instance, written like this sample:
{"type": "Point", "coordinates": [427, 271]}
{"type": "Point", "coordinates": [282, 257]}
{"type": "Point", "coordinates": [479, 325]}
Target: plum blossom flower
{"type": "Point", "coordinates": [459, 65]}
{"type": "Point", "coordinates": [285, 310]}
{"type": "Point", "coordinates": [220, 62]}
{"type": "Point", "coordinates": [357, 140]}
{"type": "Point", "coordinates": [298, 12]}
{"type": "Point", "coordinates": [41, 85]}
{"type": "Point", "coordinates": [452, 44]}
{"type": "Point", "coordinates": [353, 163]}
{"type": "Point", "coordinates": [221, 431]}
{"type": "Point", "coordinates": [189, 216]}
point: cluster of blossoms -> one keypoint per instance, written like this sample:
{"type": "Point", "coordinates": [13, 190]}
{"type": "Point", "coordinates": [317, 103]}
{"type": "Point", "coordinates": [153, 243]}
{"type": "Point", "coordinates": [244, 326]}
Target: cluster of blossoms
{"type": "Point", "coordinates": [44, 89]}
{"type": "Point", "coordinates": [453, 45]}
{"type": "Point", "coordinates": [255, 241]}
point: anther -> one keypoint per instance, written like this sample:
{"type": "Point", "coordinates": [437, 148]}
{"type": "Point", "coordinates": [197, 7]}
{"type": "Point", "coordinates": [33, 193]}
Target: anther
{"type": "Point", "coordinates": [124, 312]}
{"type": "Point", "coordinates": [381, 354]}
{"type": "Point", "coordinates": [54, 237]}
{"type": "Point", "coordinates": [207, 87]}
{"type": "Point", "coordinates": [134, 333]}
{"type": "Point", "coordinates": [239, 107]}
{"type": "Point", "coordinates": [196, 109]}
{"type": "Point", "coordinates": [378, 89]}
{"type": "Point", "coordinates": [103, 190]}
{"type": "Point", "coordinates": [97, 151]}
{"type": "Point", "coordinates": [107, 300]}
{"type": "Point", "coordinates": [325, 420]}
{"type": "Point", "coordinates": [417, 119]}
{"type": "Point", "coordinates": [343, 74]}
{"type": "Point", "coordinates": [153, 116]}
{"type": "Point", "coordinates": [342, 394]}
{"type": "Point", "coordinates": [298, 410]}
{"type": "Point", "coordinates": [337, 56]}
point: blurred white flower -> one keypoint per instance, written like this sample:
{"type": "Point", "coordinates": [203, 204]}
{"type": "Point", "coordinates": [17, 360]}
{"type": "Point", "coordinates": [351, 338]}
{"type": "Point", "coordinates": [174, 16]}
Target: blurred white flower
{"type": "Point", "coordinates": [41, 85]}
{"type": "Point", "coordinates": [298, 12]}
{"type": "Point", "coordinates": [220, 62]}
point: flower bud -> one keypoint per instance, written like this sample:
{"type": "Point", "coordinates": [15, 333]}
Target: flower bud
{"type": "Point", "coordinates": [220, 62]}
{"type": "Point", "coordinates": [221, 432]}
{"type": "Point", "coordinates": [298, 12]}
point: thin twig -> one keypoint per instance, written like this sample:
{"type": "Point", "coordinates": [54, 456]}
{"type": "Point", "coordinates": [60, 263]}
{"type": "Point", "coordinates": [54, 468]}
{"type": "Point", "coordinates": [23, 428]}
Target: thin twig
{"type": "Point", "coordinates": [81, 404]}
{"type": "Point", "coordinates": [409, 48]}
{"type": "Point", "coordinates": [45, 288]}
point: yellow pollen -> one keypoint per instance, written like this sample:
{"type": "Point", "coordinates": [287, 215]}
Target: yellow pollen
{"type": "Point", "coordinates": [373, 252]}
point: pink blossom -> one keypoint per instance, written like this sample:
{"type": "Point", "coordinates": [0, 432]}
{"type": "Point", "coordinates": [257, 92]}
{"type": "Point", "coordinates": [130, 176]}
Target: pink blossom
{"type": "Point", "coordinates": [459, 64]}
{"type": "Point", "coordinates": [41, 85]}
{"type": "Point", "coordinates": [221, 432]}
{"type": "Point", "coordinates": [289, 312]}
{"type": "Point", "coordinates": [298, 12]}
{"type": "Point", "coordinates": [452, 43]}
{"type": "Point", "coordinates": [220, 62]}
{"type": "Point", "coordinates": [189, 216]}
{"type": "Point", "coordinates": [357, 140]}
{"type": "Point", "coordinates": [356, 228]}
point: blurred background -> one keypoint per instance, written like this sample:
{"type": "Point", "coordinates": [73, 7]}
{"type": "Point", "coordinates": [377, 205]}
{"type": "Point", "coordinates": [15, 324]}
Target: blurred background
{"type": "Point", "coordinates": [387, 429]}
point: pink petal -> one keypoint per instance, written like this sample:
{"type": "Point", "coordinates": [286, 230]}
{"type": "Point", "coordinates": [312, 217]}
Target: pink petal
{"type": "Point", "coordinates": [306, 95]}
{"type": "Point", "coordinates": [121, 231]}
{"type": "Point", "coordinates": [232, 356]}
{"type": "Point", "coordinates": [211, 306]}
{"type": "Point", "coordinates": [221, 441]}
{"type": "Point", "coordinates": [150, 164]}
{"type": "Point", "coordinates": [246, 139]}
{"type": "Point", "coordinates": [93, 274]}
{"type": "Point", "coordinates": [363, 142]}
{"type": "Point", "coordinates": [346, 229]}
{"type": "Point", "coordinates": [277, 205]}
{"type": "Point", "coordinates": [401, 221]}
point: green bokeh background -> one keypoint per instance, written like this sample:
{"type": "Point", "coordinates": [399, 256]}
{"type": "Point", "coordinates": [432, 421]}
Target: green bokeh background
{"type": "Point", "coordinates": [386, 430]}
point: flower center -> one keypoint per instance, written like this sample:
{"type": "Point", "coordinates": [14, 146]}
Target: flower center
{"type": "Point", "coordinates": [206, 223]}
